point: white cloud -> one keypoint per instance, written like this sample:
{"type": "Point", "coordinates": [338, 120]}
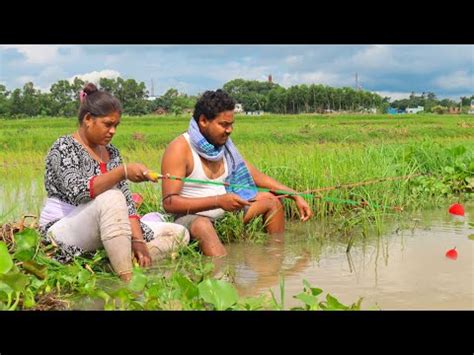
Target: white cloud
{"type": "Point", "coordinates": [376, 56]}
{"type": "Point", "coordinates": [458, 80]}
{"type": "Point", "coordinates": [94, 76]}
{"type": "Point", "coordinates": [234, 70]}
{"type": "Point", "coordinates": [37, 54]}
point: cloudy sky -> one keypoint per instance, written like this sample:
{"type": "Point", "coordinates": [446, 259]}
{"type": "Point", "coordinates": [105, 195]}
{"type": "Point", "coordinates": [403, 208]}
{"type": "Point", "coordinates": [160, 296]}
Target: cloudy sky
{"type": "Point", "coordinates": [391, 70]}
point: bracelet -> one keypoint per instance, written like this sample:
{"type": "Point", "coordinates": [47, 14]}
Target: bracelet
{"type": "Point", "coordinates": [125, 169]}
{"type": "Point", "coordinates": [138, 241]}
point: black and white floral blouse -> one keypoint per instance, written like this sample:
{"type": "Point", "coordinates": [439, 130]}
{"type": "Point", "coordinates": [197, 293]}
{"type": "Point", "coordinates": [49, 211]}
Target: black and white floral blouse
{"type": "Point", "coordinates": [69, 176]}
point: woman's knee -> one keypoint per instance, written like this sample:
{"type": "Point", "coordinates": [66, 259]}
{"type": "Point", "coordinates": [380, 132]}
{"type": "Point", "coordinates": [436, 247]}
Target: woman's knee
{"type": "Point", "coordinates": [112, 196]}
{"type": "Point", "coordinates": [182, 234]}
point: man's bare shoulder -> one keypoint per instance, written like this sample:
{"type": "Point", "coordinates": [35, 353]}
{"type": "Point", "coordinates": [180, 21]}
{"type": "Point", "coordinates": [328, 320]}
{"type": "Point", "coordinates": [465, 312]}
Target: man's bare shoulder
{"type": "Point", "coordinates": [176, 144]}
{"type": "Point", "coordinates": [178, 147]}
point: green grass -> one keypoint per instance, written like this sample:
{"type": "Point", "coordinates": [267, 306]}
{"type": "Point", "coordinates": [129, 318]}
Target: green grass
{"type": "Point", "coordinates": [302, 151]}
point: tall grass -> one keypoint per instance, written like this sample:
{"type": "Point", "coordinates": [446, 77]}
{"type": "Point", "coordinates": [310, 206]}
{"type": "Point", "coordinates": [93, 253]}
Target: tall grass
{"type": "Point", "coordinates": [302, 151]}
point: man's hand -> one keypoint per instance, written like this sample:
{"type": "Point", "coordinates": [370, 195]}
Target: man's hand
{"type": "Point", "coordinates": [140, 250]}
{"type": "Point", "coordinates": [303, 208]}
{"type": "Point", "coordinates": [230, 202]}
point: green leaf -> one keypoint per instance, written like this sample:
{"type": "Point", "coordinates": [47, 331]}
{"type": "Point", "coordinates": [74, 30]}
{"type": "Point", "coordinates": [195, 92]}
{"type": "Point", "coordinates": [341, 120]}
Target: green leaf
{"type": "Point", "coordinates": [188, 289]}
{"type": "Point", "coordinates": [154, 291]}
{"type": "Point", "coordinates": [138, 281]}
{"type": "Point", "coordinates": [333, 303]}
{"type": "Point", "coordinates": [29, 299]}
{"type": "Point", "coordinates": [17, 281]}
{"type": "Point", "coordinates": [83, 276]}
{"type": "Point", "coordinates": [26, 242]}
{"type": "Point", "coordinates": [470, 236]}
{"type": "Point", "coordinates": [308, 300]}
{"type": "Point", "coordinates": [6, 261]}
{"type": "Point", "coordinates": [314, 291]}
{"type": "Point", "coordinates": [220, 294]}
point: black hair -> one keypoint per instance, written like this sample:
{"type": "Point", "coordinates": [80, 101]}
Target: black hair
{"type": "Point", "coordinates": [211, 103]}
{"type": "Point", "coordinates": [97, 102]}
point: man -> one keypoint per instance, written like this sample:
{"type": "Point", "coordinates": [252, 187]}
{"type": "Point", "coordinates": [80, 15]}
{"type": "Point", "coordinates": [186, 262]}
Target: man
{"type": "Point", "coordinates": [206, 152]}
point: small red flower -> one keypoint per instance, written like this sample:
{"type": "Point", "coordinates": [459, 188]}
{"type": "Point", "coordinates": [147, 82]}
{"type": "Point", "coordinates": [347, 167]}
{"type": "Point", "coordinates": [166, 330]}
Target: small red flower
{"type": "Point", "coordinates": [452, 254]}
{"type": "Point", "coordinates": [457, 209]}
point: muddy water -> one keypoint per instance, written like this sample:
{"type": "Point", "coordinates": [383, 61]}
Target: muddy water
{"type": "Point", "coordinates": [404, 268]}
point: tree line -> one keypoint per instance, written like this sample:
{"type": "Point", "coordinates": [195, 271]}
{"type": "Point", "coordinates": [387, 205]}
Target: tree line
{"type": "Point", "coordinates": [62, 100]}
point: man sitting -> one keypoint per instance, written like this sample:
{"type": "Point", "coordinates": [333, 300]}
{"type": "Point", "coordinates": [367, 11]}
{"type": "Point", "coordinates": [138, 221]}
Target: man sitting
{"type": "Point", "coordinates": [206, 152]}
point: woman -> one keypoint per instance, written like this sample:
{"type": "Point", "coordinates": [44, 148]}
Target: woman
{"type": "Point", "coordinates": [89, 204]}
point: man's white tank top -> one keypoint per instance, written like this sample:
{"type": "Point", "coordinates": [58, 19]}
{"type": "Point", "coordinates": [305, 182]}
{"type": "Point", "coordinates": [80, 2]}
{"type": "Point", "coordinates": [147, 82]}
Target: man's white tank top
{"type": "Point", "coordinates": [203, 190]}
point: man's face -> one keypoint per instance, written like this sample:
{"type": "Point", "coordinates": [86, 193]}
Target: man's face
{"type": "Point", "coordinates": [218, 130]}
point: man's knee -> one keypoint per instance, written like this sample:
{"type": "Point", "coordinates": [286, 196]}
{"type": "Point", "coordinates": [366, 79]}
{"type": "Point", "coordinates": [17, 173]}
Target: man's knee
{"type": "Point", "coordinates": [272, 203]}
{"type": "Point", "coordinates": [201, 225]}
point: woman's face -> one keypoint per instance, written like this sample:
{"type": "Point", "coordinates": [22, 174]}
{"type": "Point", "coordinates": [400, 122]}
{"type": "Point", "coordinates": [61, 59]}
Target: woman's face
{"type": "Point", "coordinates": [100, 130]}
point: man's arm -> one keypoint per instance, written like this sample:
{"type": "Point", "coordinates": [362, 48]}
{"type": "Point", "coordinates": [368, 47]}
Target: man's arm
{"type": "Point", "coordinates": [174, 162]}
{"type": "Point", "coordinates": [265, 181]}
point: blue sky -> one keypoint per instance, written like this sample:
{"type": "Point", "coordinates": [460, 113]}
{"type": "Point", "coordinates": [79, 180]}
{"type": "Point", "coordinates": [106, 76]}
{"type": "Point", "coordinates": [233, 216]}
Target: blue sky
{"type": "Point", "coordinates": [390, 70]}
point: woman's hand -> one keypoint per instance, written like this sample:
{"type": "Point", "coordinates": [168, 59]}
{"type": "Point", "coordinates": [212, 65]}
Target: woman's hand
{"type": "Point", "coordinates": [140, 250]}
{"type": "Point", "coordinates": [137, 172]}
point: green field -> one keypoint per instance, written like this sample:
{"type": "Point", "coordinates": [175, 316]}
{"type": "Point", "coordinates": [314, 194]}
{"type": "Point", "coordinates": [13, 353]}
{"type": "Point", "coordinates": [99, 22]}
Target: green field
{"type": "Point", "coordinates": [303, 151]}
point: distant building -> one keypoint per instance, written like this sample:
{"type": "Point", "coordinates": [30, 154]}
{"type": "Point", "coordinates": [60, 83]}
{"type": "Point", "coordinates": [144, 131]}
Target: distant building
{"type": "Point", "coordinates": [415, 110]}
{"type": "Point", "coordinates": [254, 113]}
{"type": "Point", "coordinates": [151, 98]}
{"type": "Point", "coordinates": [471, 111]}
{"type": "Point", "coordinates": [454, 110]}
{"type": "Point", "coordinates": [395, 111]}
{"type": "Point", "coordinates": [238, 108]}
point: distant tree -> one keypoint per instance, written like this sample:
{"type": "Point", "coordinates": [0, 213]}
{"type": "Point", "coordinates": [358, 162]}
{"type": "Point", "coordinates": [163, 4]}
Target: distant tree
{"type": "Point", "coordinates": [4, 101]}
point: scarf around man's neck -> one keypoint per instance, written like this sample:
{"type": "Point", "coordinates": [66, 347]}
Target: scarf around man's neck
{"type": "Point", "coordinates": [238, 172]}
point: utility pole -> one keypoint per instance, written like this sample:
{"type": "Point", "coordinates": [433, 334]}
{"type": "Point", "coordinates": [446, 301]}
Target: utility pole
{"type": "Point", "coordinates": [152, 89]}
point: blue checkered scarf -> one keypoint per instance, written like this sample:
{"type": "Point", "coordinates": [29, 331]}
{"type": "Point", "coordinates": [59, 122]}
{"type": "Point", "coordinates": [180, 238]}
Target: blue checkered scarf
{"type": "Point", "coordinates": [238, 172]}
